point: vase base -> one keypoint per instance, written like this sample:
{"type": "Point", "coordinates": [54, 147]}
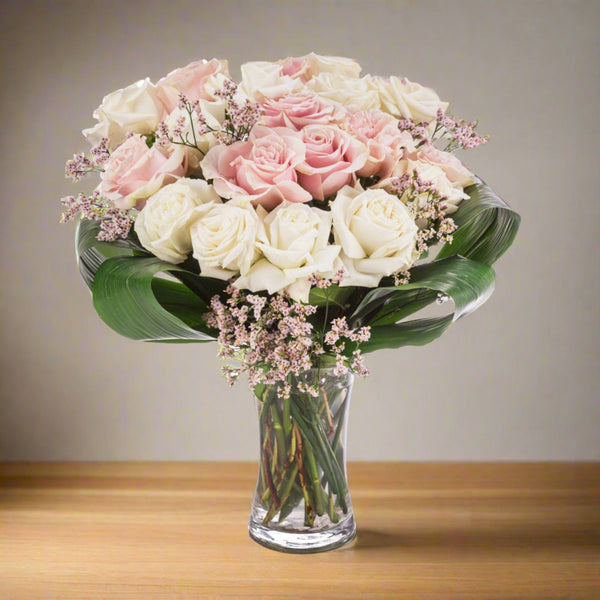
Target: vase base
{"type": "Point", "coordinates": [303, 542]}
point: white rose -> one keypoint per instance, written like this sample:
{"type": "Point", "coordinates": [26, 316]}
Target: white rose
{"type": "Point", "coordinates": [135, 108]}
{"type": "Point", "coordinates": [163, 226]}
{"type": "Point", "coordinates": [403, 98]}
{"type": "Point", "coordinates": [376, 232]}
{"type": "Point", "coordinates": [263, 79]}
{"type": "Point", "coordinates": [223, 239]}
{"type": "Point", "coordinates": [347, 91]}
{"type": "Point", "coordinates": [294, 240]}
{"type": "Point", "coordinates": [338, 65]}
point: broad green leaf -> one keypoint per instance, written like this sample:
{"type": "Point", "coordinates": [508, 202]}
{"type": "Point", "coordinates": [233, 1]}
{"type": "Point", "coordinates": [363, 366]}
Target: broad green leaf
{"type": "Point", "coordinates": [91, 253]}
{"type": "Point", "coordinates": [203, 287]}
{"type": "Point", "coordinates": [133, 303]}
{"type": "Point", "coordinates": [466, 281]}
{"type": "Point", "coordinates": [391, 300]}
{"type": "Point", "coordinates": [487, 226]}
{"type": "Point", "coordinates": [180, 301]}
{"type": "Point", "coordinates": [411, 333]}
{"type": "Point", "coordinates": [403, 305]}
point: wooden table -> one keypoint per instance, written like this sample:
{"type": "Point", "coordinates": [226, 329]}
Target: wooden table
{"type": "Point", "coordinates": [446, 531]}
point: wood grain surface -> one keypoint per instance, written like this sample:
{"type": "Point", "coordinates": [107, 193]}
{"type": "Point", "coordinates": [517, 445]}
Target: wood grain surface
{"type": "Point", "coordinates": [443, 531]}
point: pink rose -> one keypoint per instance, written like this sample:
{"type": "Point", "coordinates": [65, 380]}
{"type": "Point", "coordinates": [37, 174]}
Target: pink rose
{"type": "Point", "coordinates": [191, 80]}
{"type": "Point", "coordinates": [384, 141]}
{"type": "Point", "coordinates": [455, 171]}
{"type": "Point", "coordinates": [332, 158]}
{"type": "Point", "coordinates": [299, 109]}
{"type": "Point", "coordinates": [296, 67]}
{"type": "Point", "coordinates": [134, 172]}
{"type": "Point", "coordinates": [261, 169]}
{"type": "Point", "coordinates": [309, 66]}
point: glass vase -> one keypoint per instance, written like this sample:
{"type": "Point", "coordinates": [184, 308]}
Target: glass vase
{"type": "Point", "coordinates": [302, 503]}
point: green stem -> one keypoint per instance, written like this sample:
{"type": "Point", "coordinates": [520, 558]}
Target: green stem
{"type": "Point", "coordinates": [338, 432]}
{"type": "Point", "coordinates": [263, 484]}
{"type": "Point", "coordinates": [331, 509]}
{"type": "Point", "coordinates": [284, 492]}
{"type": "Point", "coordinates": [314, 479]}
{"type": "Point", "coordinates": [275, 502]}
{"type": "Point", "coordinates": [308, 503]}
{"type": "Point", "coordinates": [279, 435]}
{"type": "Point", "coordinates": [292, 501]}
{"type": "Point", "coordinates": [287, 421]}
{"type": "Point", "coordinates": [266, 403]}
{"type": "Point", "coordinates": [314, 435]}
{"type": "Point", "coordinates": [331, 459]}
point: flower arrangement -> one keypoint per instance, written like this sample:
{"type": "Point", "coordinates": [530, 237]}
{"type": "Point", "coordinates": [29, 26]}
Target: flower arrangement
{"type": "Point", "coordinates": [292, 218]}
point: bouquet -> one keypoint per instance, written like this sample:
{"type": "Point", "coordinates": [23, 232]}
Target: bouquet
{"type": "Point", "coordinates": [300, 218]}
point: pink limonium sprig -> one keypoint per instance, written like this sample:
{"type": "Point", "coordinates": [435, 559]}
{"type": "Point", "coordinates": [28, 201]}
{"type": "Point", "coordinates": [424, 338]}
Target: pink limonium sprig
{"type": "Point", "coordinates": [417, 130]}
{"type": "Point", "coordinates": [336, 339]}
{"type": "Point", "coordinates": [460, 134]}
{"type": "Point", "coordinates": [402, 277]}
{"type": "Point", "coordinates": [272, 340]}
{"type": "Point", "coordinates": [240, 118]}
{"type": "Point", "coordinates": [236, 126]}
{"type": "Point", "coordinates": [324, 283]}
{"type": "Point", "coordinates": [80, 165]}
{"type": "Point", "coordinates": [178, 135]}
{"type": "Point", "coordinates": [114, 222]}
{"type": "Point", "coordinates": [269, 340]}
{"type": "Point", "coordinates": [428, 208]}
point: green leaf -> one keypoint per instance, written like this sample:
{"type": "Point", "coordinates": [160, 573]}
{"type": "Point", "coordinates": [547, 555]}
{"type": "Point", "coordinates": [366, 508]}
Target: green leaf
{"type": "Point", "coordinates": [411, 333]}
{"type": "Point", "coordinates": [91, 253]}
{"type": "Point", "coordinates": [180, 301]}
{"type": "Point", "coordinates": [487, 226]}
{"type": "Point", "coordinates": [395, 301]}
{"type": "Point", "coordinates": [130, 300]}
{"type": "Point", "coordinates": [203, 287]}
{"type": "Point", "coordinates": [466, 281]}
{"type": "Point", "coordinates": [334, 294]}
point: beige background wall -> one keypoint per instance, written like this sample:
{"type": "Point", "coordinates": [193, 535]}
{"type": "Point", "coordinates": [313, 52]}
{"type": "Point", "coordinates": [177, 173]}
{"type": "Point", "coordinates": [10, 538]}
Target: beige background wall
{"type": "Point", "coordinates": [517, 380]}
